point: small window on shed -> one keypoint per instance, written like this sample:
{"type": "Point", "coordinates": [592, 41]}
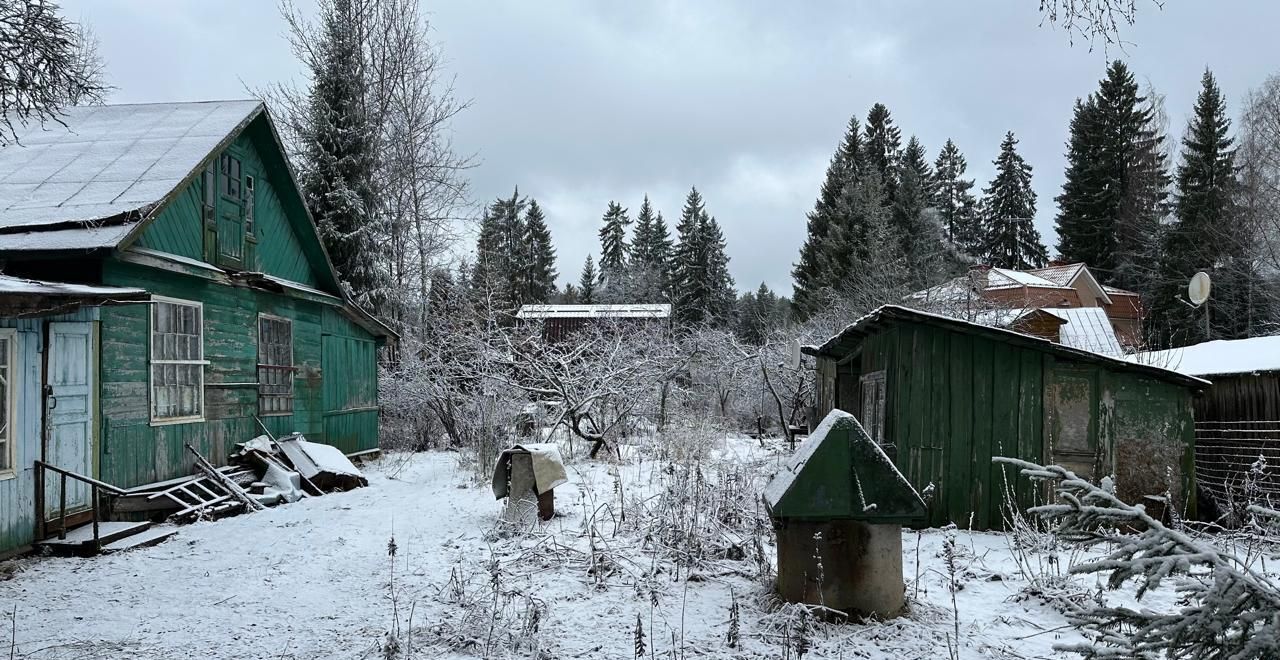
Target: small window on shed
{"type": "Point", "coordinates": [275, 365]}
{"type": "Point", "coordinates": [177, 361]}
{"type": "Point", "coordinates": [873, 395]}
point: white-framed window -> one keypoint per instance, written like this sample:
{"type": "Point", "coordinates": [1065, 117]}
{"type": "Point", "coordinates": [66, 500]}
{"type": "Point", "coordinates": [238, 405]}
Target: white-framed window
{"type": "Point", "coordinates": [8, 402]}
{"type": "Point", "coordinates": [873, 395]}
{"type": "Point", "coordinates": [177, 361]}
{"type": "Point", "coordinates": [275, 365]}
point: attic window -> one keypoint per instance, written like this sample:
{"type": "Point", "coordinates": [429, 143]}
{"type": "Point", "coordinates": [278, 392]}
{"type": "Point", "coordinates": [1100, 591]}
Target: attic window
{"type": "Point", "coordinates": [230, 176]}
{"type": "Point", "coordinates": [275, 365]}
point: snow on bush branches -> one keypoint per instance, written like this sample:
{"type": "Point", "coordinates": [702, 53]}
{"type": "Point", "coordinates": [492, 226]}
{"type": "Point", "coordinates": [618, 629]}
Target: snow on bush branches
{"type": "Point", "coordinates": [1225, 611]}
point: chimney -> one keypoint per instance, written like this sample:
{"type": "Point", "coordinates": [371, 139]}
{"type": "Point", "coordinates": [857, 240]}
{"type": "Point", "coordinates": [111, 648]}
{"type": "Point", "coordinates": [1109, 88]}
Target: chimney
{"type": "Point", "coordinates": [978, 274]}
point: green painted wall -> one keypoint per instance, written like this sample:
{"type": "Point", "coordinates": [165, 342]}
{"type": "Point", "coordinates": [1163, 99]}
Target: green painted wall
{"type": "Point", "coordinates": [179, 228]}
{"type": "Point", "coordinates": [135, 452]}
{"type": "Point", "coordinates": [956, 399]}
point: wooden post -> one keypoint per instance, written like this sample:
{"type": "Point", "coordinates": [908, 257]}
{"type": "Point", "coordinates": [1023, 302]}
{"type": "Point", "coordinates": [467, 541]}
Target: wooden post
{"type": "Point", "coordinates": [97, 539]}
{"type": "Point", "coordinates": [62, 508]}
{"type": "Point", "coordinates": [39, 484]}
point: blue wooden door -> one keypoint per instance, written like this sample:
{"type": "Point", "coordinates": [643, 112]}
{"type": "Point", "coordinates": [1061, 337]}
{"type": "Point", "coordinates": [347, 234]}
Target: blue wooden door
{"type": "Point", "coordinates": [69, 412]}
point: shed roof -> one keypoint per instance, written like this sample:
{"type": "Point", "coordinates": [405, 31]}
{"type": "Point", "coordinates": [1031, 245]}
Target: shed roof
{"type": "Point", "coordinates": [26, 297]}
{"type": "Point", "coordinates": [110, 162]}
{"type": "Point", "coordinates": [851, 337]}
{"type": "Point", "coordinates": [1217, 358]}
{"type": "Point", "coordinates": [645, 311]}
{"type": "Point", "coordinates": [1087, 328]}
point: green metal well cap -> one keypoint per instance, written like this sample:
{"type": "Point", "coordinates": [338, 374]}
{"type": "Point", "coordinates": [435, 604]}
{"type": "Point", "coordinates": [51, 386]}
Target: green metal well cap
{"type": "Point", "coordinates": [839, 472]}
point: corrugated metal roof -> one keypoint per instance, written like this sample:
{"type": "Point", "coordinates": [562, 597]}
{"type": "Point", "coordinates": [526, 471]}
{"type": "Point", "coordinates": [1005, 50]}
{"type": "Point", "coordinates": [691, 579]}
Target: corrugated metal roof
{"type": "Point", "coordinates": [656, 311]}
{"type": "Point", "coordinates": [1087, 328]}
{"type": "Point", "coordinates": [1060, 275]}
{"type": "Point", "coordinates": [1004, 278]}
{"type": "Point", "coordinates": [105, 161]}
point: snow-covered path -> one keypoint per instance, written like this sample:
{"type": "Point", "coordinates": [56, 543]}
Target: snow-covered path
{"type": "Point", "coordinates": [307, 580]}
{"type": "Point", "coordinates": [312, 580]}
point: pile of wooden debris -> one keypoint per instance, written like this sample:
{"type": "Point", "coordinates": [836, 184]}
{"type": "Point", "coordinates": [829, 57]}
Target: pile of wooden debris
{"type": "Point", "coordinates": [262, 472]}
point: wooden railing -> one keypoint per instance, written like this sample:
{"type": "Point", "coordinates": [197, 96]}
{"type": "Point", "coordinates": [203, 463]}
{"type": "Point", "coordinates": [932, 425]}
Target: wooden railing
{"type": "Point", "coordinates": [41, 478]}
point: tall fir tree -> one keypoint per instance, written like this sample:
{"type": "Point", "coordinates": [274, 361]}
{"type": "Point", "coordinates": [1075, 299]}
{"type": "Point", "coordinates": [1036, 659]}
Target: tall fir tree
{"type": "Point", "coordinates": [863, 234]}
{"type": "Point", "coordinates": [883, 149]}
{"type": "Point", "coordinates": [539, 271]}
{"type": "Point", "coordinates": [759, 313]}
{"type": "Point", "coordinates": [957, 207]}
{"type": "Point", "coordinates": [1009, 210]}
{"type": "Point", "coordinates": [1112, 198]}
{"type": "Point", "coordinates": [502, 253]}
{"type": "Point", "coordinates": [339, 144]}
{"type": "Point", "coordinates": [650, 255]}
{"type": "Point", "coordinates": [926, 255]}
{"type": "Point", "coordinates": [1206, 236]}
{"type": "Point", "coordinates": [701, 285]}
{"type": "Point", "coordinates": [587, 282]}
{"type": "Point", "coordinates": [842, 172]}
{"type": "Point", "coordinates": [613, 253]}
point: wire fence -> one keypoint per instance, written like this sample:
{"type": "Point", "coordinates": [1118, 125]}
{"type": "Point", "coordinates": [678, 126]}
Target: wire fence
{"type": "Point", "coordinates": [1239, 461]}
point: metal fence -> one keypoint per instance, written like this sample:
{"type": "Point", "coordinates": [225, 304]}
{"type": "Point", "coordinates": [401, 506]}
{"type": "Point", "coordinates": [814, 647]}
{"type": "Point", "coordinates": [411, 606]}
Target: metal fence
{"type": "Point", "coordinates": [1235, 457]}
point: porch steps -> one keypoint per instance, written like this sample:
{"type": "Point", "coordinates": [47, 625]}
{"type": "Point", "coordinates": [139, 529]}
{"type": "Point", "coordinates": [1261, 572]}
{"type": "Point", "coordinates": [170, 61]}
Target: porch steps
{"type": "Point", "coordinates": [79, 541]}
{"type": "Point", "coordinates": [143, 539]}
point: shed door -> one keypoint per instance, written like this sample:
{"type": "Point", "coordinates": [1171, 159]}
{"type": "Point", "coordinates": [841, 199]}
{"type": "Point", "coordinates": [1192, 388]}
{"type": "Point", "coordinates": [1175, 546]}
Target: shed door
{"type": "Point", "coordinates": [69, 412]}
{"type": "Point", "coordinates": [1073, 421]}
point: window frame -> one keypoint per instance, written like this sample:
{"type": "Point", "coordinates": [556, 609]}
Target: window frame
{"type": "Point", "coordinates": [10, 451]}
{"type": "Point", "coordinates": [152, 361]}
{"type": "Point", "coordinates": [291, 368]}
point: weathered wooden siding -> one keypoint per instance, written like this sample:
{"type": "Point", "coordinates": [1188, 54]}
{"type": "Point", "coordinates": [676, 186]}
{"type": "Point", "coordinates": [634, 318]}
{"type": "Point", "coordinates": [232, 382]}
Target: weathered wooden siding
{"type": "Point", "coordinates": [134, 451]}
{"type": "Point", "coordinates": [957, 399]}
{"type": "Point", "coordinates": [1240, 398]}
{"type": "Point", "coordinates": [179, 228]}
{"type": "Point", "coordinates": [17, 494]}
{"type": "Point", "coordinates": [350, 402]}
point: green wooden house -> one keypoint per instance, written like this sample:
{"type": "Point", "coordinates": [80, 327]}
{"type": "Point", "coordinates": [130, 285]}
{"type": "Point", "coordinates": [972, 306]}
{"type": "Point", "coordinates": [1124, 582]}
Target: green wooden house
{"type": "Point", "coordinates": [944, 396]}
{"type": "Point", "coordinates": [166, 286]}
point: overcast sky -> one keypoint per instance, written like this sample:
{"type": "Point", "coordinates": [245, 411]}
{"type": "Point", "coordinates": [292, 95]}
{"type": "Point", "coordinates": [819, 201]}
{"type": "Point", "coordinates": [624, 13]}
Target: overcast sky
{"type": "Point", "coordinates": [580, 103]}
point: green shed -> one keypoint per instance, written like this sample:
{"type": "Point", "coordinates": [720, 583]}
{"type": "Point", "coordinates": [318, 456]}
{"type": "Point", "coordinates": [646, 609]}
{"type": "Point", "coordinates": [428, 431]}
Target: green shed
{"type": "Point", "coordinates": [944, 396]}
{"type": "Point", "coordinates": [191, 213]}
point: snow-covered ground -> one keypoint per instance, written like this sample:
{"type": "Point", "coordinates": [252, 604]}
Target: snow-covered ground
{"type": "Point", "coordinates": [644, 542]}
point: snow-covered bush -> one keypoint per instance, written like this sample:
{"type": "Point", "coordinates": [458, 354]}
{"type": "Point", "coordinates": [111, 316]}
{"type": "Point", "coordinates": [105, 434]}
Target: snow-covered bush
{"type": "Point", "coordinates": [1226, 608]}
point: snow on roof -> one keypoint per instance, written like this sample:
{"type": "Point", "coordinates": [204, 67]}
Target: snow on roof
{"type": "Point", "coordinates": [1061, 275]}
{"type": "Point", "coordinates": [1116, 291]}
{"type": "Point", "coordinates": [102, 161]}
{"type": "Point", "coordinates": [17, 286]}
{"type": "Point", "coordinates": [786, 475]}
{"type": "Point", "coordinates": [1087, 328]}
{"type": "Point", "coordinates": [1213, 358]}
{"type": "Point", "coordinates": [73, 238]}
{"type": "Point", "coordinates": [656, 311]}
{"type": "Point", "coordinates": [1004, 278]}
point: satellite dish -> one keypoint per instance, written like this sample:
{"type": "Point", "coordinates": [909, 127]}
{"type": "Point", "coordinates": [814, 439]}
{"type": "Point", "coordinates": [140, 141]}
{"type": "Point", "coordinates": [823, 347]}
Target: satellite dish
{"type": "Point", "coordinates": [793, 354]}
{"type": "Point", "coordinates": [1198, 288]}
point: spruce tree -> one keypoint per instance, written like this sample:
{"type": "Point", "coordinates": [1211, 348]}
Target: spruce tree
{"type": "Point", "coordinates": [650, 255]}
{"type": "Point", "coordinates": [1113, 196]}
{"type": "Point", "coordinates": [339, 144]}
{"type": "Point", "coordinates": [842, 172]}
{"type": "Point", "coordinates": [862, 235]}
{"type": "Point", "coordinates": [926, 255]}
{"type": "Point", "coordinates": [613, 253]}
{"type": "Point", "coordinates": [701, 285]}
{"type": "Point", "coordinates": [957, 207]}
{"type": "Point", "coordinates": [883, 149]}
{"type": "Point", "coordinates": [540, 266]}
{"type": "Point", "coordinates": [1205, 235]}
{"type": "Point", "coordinates": [502, 253]}
{"type": "Point", "coordinates": [759, 313]}
{"type": "Point", "coordinates": [587, 282]}
{"type": "Point", "coordinates": [1009, 211]}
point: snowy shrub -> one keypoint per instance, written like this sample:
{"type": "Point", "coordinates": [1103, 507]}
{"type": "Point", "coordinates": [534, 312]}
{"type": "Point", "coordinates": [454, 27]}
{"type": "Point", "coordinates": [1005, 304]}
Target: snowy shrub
{"type": "Point", "coordinates": [1225, 610]}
